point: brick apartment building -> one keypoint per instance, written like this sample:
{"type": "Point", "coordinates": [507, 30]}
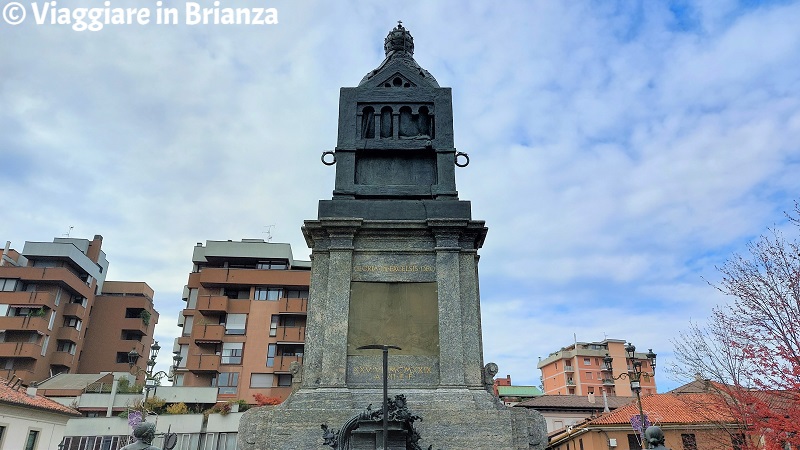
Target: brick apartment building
{"type": "Point", "coordinates": [245, 319]}
{"type": "Point", "coordinates": [59, 315]}
{"type": "Point", "coordinates": [579, 369]}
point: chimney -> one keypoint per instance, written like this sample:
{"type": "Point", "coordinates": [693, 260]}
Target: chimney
{"type": "Point", "coordinates": [94, 248]}
{"type": "Point", "coordinates": [31, 391]}
{"type": "Point", "coordinates": [591, 398]}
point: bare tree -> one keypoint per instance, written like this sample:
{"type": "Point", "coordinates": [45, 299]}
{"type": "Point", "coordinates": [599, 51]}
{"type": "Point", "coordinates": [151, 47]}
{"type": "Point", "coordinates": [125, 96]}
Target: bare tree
{"type": "Point", "coordinates": [750, 348]}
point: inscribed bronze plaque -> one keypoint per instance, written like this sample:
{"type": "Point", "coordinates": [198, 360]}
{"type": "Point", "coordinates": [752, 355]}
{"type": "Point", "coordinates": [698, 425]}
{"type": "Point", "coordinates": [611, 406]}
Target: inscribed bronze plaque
{"type": "Point", "coordinates": [401, 314]}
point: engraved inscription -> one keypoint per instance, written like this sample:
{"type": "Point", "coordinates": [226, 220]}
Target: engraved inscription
{"type": "Point", "coordinates": [393, 268]}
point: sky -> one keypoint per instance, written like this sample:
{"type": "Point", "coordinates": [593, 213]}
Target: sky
{"type": "Point", "coordinates": [619, 151]}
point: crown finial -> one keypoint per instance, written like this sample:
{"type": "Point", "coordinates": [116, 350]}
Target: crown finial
{"type": "Point", "coordinates": [399, 40]}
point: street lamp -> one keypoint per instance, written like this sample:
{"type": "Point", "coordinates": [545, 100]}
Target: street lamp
{"type": "Point", "coordinates": [152, 379]}
{"type": "Point", "coordinates": [385, 348]}
{"type": "Point", "coordinates": [634, 375]}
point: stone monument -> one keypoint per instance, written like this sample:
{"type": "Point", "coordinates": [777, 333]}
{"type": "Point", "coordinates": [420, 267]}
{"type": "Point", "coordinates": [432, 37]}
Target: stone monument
{"type": "Point", "coordinates": [395, 262]}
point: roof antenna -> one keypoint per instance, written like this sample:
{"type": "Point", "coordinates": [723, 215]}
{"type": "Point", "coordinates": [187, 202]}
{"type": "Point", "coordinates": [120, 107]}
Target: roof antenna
{"type": "Point", "coordinates": [68, 231]}
{"type": "Point", "coordinates": [268, 232]}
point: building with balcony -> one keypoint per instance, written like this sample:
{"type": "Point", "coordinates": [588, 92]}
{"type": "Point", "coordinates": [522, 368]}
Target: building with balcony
{"type": "Point", "coordinates": [579, 369]}
{"type": "Point", "coordinates": [244, 321]}
{"type": "Point", "coordinates": [58, 314]}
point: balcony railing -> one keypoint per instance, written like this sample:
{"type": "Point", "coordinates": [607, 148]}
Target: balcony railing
{"type": "Point", "coordinates": [283, 363]}
{"type": "Point", "coordinates": [569, 369]}
{"type": "Point", "coordinates": [208, 333]}
{"type": "Point", "coordinates": [62, 359]}
{"type": "Point", "coordinates": [608, 381]}
{"type": "Point", "coordinates": [69, 334]}
{"type": "Point", "coordinates": [74, 309]}
{"type": "Point", "coordinates": [58, 275]}
{"type": "Point", "coordinates": [203, 362]}
{"type": "Point", "coordinates": [28, 323]}
{"type": "Point", "coordinates": [293, 305]}
{"type": "Point", "coordinates": [291, 334]}
{"type": "Point", "coordinates": [21, 349]}
{"type": "Point", "coordinates": [133, 323]}
{"type": "Point", "coordinates": [570, 383]}
{"type": "Point", "coordinates": [212, 304]}
{"type": "Point", "coordinates": [35, 299]}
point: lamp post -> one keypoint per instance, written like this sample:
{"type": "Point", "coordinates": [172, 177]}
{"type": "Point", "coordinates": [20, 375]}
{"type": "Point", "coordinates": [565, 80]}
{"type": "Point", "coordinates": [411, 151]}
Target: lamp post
{"type": "Point", "coordinates": [634, 375]}
{"type": "Point", "coordinates": [385, 349]}
{"type": "Point", "coordinates": [152, 379]}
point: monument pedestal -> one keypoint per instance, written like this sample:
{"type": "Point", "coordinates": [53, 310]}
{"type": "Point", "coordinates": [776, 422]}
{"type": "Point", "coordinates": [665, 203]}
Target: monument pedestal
{"type": "Point", "coordinates": [452, 419]}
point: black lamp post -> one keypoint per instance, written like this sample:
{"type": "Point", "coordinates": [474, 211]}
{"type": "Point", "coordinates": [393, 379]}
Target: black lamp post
{"type": "Point", "coordinates": [385, 349]}
{"type": "Point", "coordinates": [152, 379]}
{"type": "Point", "coordinates": [634, 375]}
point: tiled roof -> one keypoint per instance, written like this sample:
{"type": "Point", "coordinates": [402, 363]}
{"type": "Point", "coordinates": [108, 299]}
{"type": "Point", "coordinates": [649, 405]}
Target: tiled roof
{"type": "Point", "coordinates": [20, 397]}
{"type": "Point", "coordinates": [671, 408]}
{"type": "Point", "coordinates": [574, 402]}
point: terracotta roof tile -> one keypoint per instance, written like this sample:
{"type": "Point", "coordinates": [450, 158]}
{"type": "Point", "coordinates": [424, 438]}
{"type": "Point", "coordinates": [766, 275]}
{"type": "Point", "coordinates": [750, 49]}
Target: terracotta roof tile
{"type": "Point", "coordinates": [573, 402]}
{"type": "Point", "coordinates": [671, 408]}
{"type": "Point", "coordinates": [21, 398]}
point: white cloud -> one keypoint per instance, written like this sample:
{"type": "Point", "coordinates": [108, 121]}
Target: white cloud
{"type": "Point", "coordinates": [617, 154]}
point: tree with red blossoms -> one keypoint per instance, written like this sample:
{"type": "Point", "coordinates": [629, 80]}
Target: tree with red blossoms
{"type": "Point", "coordinates": [750, 348]}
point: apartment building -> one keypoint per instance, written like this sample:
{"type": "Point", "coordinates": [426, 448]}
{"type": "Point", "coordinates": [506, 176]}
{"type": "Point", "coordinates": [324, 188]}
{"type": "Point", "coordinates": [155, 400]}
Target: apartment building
{"type": "Point", "coordinates": [580, 369]}
{"type": "Point", "coordinates": [244, 321]}
{"type": "Point", "coordinates": [128, 305]}
{"type": "Point", "coordinates": [51, 320]}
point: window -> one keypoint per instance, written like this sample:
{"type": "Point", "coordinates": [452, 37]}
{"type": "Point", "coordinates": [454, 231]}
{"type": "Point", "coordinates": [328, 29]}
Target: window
{"type": "Point", "coordinates": [178, 380]}
{"type": "Point", "coordinates": [633, 442]}
{"type": "Point", "coordinates": [235, 323]}
{"type": "Point", "coordinates": [272, 294]}
{"type": "Point", "coordinates": [689, 442]}
{"type": "Point", "coordinates": [285, 379]}
{"type": "Point", "coordinates": [2, 432]}
{"type": "Point", "coordinates": [188, 322]}
{"type": "Point", "coordinates": [33, 436]}
{"type": "Point", "coordinates": [227, 382]}
{"type": "Point", "coordinates": [261, 380]}
{"type": "Point", "coordinates": [273, 264]}
{"type": "Point", "coordinates": [133, 313]}
{"type": "Point", "coordinates": [184, 351]}
{"type": "Point", "coordinates": [122, 357]}
{"type": "Point", "coordinates": [587, 361]}
{"type": "Point", "coordinates": [53, 321]}
{"type": "Point", "coordinates": [44, 345]}
{"type": "Point", "coordinates": [296, 293]}
{"type": "Point", "coordinates": [8, 284]}
{"type": "Point", "coordinates": [271, 355]}
{"type": "Point", "coordinates": [131, 335]}
{"type": "Point", "coordinates": [232, 352]}
{"type": "Point", "coordinates": [192, 300]}
{"type": "Point", "coordinates": [273, 326]}
{"type": "Point", "coordinates": [589, 375]}
{"type": "Point", "coordinates": [236, 293]}
{"type": "Point", "coordinates": [66, 346]}
{"type": "Point", "coordinates": [590, 390]}
{"type": "Point", "coordinates": [72, 322]}
{"type": "Point", "coordinates": [292, 350]}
